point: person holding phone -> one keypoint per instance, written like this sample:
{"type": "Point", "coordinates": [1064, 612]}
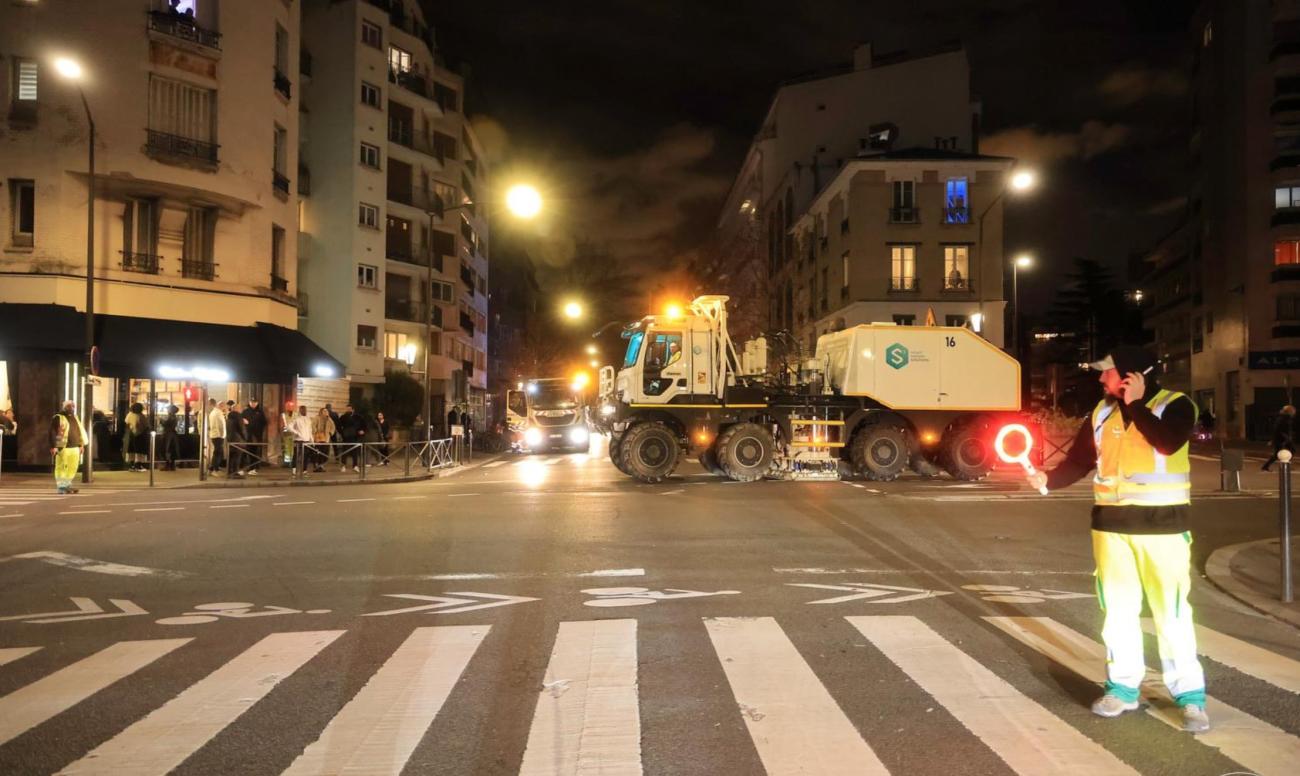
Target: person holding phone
{"type": "Point", "coordinates": [1137, 440]}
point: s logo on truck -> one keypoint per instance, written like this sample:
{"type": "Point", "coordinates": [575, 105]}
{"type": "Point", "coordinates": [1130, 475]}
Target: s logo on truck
{"type": "Point", "coordinates": [896, 356]}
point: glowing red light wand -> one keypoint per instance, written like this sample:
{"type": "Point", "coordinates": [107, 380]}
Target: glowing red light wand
{"type": "Point", "coordinates": [999, 444]}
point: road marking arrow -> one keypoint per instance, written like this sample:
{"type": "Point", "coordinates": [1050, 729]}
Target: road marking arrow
{"type": "Point", "coordinates": [445, 605]}
{"type": "Point", "coordinates": [892, 594]}
{"type": "Point", "coordinates": [86, 609]}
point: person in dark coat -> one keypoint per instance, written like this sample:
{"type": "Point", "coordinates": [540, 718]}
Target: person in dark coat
{"type": "Point", "coordinates": [1283, 434]}
{"type": "Point", "coordinates": [382, 434]}
{"type": "Point", "coordinates": [236, 434]}
{"type": "Point", "coordinates": [171, 441]}
{"type": "Point", "coordinates": [255, 426]}
{"type": "Point", "coordinates": [352, 428]}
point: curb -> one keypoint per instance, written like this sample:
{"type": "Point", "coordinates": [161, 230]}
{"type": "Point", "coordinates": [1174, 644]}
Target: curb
{"type": "Point", "coordinates": [1218, 569]}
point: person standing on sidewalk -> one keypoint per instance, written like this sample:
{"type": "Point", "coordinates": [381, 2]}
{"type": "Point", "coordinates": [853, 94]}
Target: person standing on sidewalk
{"type": "Point", "coordinates": [255, 426]}
{"type": "Point", "coordinates": [298, 430]}
{"type": "Point", "coordinates": [170, 439]}
{"type": "Point", "coordinates": [67, 438]}
{"type": "Point", "coordinates": [323, 432]}
{"type": "Point", "coordinates": [1283, 435]}
{"type": "Point", "coordinates": [135, 441]}
{"type": "Point", "coordinates": [1137, 440]}
{"type": "Point", "coordinates": [383, 434]}
{"type": "Point", "coordinates": [352, 428]}
{"type": "Point", "coordinates": [216, 436]}
{"type": "Point", "coordinates": [236, 438]}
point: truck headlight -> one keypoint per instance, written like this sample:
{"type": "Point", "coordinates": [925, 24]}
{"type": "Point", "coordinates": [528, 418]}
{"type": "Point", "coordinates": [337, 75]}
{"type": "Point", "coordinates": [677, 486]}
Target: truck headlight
{"type": "Point", "coordinates": [578, 436]}
{"type": "Point", "coordinates": [532, 436]}
{"type": "Point", "coordinates": [608, 409]}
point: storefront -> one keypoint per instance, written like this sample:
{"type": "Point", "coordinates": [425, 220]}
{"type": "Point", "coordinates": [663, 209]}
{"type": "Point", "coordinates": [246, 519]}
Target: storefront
{"type": "Point", "coordinates": [155, 363]}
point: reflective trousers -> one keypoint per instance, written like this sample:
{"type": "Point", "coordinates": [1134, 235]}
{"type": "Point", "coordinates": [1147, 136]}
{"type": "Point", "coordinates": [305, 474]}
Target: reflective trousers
{"type": "Point", "coordinates": [66, 461]}
{"type": "Point", "coordinates": [1157, 567]}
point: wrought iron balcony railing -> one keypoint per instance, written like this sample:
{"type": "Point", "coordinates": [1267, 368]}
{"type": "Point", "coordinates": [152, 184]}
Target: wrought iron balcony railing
{"type": "Point", "coordinates": [176, 145]}
{"type": "Point", "coordinates": [198, 269]}
{"type": "Point", "coordinates": [183, 27]}
{"type": "Point", "coordinates": [146, 263]}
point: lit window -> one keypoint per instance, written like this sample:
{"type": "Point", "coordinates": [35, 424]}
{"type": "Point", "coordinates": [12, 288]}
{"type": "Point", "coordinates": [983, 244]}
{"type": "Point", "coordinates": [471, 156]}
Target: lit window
{"type": "Point", "coordinates": [956, 208]}
{"type": "Point", "coordinates": [399, 61]}
{"type": "Point", "coordinates": [1286, 196]}
{"type": "Point", "coordinates": [956, 267]}
{"type": "Point", "coordinates": [25, 78]}
{"type": "Point", "coordinates": [954, 320]}
{"type": "Point", "coordinates": [903, 263]}
{"type": "Point", "coordinates": [369, 216]}
{"type": "Point", "coordinates": [904, 320]}
{"type": "Point", "coordinates": [394, 344]}
{"type": "Point", "coordinates": [844, 267]}
{"type": "Point", "coordinates": [366, 336]}
{"type": "Point", "coordinates": [1286, 252]}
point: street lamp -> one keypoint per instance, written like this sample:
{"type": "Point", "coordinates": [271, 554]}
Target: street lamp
{"type": "Point", "coordinates": [523, 200]}
{"type": "Point", "coordinates": [591, 350]}
{"type": "Point", "coordinates": [573, 310]}
{"type": "Point", "coordinates": [1023, 261]}
{"type": "Point", "coordinates": [70, 70]}
{"type": "Point", "coordinates": [1019, 182]}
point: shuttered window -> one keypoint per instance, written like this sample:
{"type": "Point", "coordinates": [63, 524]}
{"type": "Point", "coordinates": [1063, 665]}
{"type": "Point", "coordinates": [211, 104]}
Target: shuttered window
{"type": "Point", "coordinates": [25, 80]}
{"type": "Point", "coordinates": [183, 110]}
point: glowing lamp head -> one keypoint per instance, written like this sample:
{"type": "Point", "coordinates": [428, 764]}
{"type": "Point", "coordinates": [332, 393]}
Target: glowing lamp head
{"type": "Point", "coordinates": [523, 200]}
{"type": "Point", "coordinates": [674, 312]}
{"type": "Point", "coordinates": [68, 68]}
{"type": "Point", "coordinates": [1023, 180]}
{"type": "Point", "coordinates": [1024, 261]}
{"type": "Point", "coordinates": [572, 310]}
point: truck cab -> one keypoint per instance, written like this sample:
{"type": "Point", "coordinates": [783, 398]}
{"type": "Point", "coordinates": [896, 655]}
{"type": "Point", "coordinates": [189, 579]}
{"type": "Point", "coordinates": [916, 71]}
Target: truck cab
{"type": "Point", "coordinates": [547, 414]}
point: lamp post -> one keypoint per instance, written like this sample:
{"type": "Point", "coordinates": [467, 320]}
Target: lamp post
{"type": "Point", "coordinates": [1023, 261]}
{"type": "Point", "coordinates": [70, 70]}
{"type": "Point", "coordinates": [522, 200]}
{"type": "Point", "coordinates": [1019, 181]}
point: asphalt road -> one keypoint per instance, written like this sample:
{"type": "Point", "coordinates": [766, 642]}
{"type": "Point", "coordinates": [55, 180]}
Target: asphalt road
{"type": "Point", "coordinates": [563, 619]}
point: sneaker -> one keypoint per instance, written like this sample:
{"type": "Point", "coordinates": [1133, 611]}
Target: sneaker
{"type": "Point", "coordinates": [62, 491]}
{"type": "Point", "coordinates": [343, 468]}
{"type": "Point", "coordinates": [74, 490]}
{"type": "Point", "coordinates": [1195, 720]}
{"type": "Point", "coordinates": [1110, 705]}
{"type": "Point", "coordinates": [356, 468]}
{"type": "Point", "coordinates": [251, 472]}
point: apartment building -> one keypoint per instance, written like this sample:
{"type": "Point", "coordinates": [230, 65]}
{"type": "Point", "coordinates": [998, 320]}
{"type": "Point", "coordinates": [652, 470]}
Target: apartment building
{"type": "Point", "coordinates": [395, 241]}
{"type": "Point", "coordinates": [1221, 293]}
{"type": "Point", "coordinates": [815, 128]}
{"type": "Point", "coordinates": [195, 210]}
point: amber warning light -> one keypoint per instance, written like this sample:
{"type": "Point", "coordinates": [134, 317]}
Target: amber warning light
{"type": "Point", "coordinates": [1022, 442]}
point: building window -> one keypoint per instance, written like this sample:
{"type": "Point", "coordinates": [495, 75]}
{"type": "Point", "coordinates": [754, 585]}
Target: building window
{"type": "Point", "coordinates": [197, 249]}
{"type": "Point", "coordinates": [956, 208]}
{"type": "Point", "coordinates": [904, 320]}
{"type": "Point", "coordinates": [366, 336]}
{"type": "Point", "coordinates": [904, 209]}
{"type": "Point", "coordinates": [24, 77]}
{"type": "Point", "coordinates": [1286, 252]}
{"type": "Point", "coordinates": [903, 264]}
{"type": "Point", "coordinates": [954, 320]}
{"type": "Point", "coordinates": [278, 281]}
{"type": "Point", "coordinates": [22, 212]}
{"type": "Point", "coordinates": [956, 267]}
{"type": "Point", "coordinates": [372, 35]}
{"type": "Point", "coordinates": [1288, 307]}
{"type": "Point", "coordinates": [443, 292]}
{"type": "Point", "coordinates": [444, 146]}
{"type": "Point", "coordinates": [446, 97]}
{"type": "Point", "coordinates": [1286, 196]}
{"type": "Point", "coordinates": [140, 235]}
{"type": "Point", "coordinates": [369, 216]}
{"type": "Point", "coordinates": [182, 119]}
{"type": "Point", "coordinates": [367, 276]}
{"type": "Point", "coordinates": [370, 95]}
{"type": "Point", "coordinates": [399, 60]}
{"type": "Point", "coordinates": [395, 345]}
{"type": "Point", "coordinates": [281, 60]}
{"type": "Point", "coordinates": [844, 269]}
{"type": "Point", "coordinates": [370, 155]}
{"type": "Point", "coordinates": [1207, 34]}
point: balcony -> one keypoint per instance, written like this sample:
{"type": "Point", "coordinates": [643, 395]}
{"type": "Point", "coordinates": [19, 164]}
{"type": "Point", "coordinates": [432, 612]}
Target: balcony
{"type": "Point", "coordinates": [904, 215]}
{"type": "Point", "coordinates": [281, 182]}
{"type": "Point", "coordinates": [1285, 159]}
{"type": "Point", "coordinates": [179, 147]}
{"type": "Point", "coordinates": [1286, 330]}
{"type": "Point", "coordinates": [956, 215]}
{"type": "Point", "coordinates": [957, 285]}
{"type": "Point", "coordinates": [146, 263]}
{"type": "Point", "coordinates": [467, 277]}
{"type": "Point", "coordinates": [282, 83]}
{"type": "Point", "coordinates": [182, 27]}
{"type": "Point", "coordinates": [905, 285]}
{"type": "Point", "coordinates": [1285, 273]}
{"type": "Point", "coordinates": [402, 134]}
{"type": "Point", "coordinates": [304, 180]}
{"type": "Point", "coordinates": [198, 269]}
{"type": "Point", "coordinates": [466, 323]}
{"type": "Point", "coordinates": [404, 310]}
{"type": "Point", "coordinates": [1285, 216]}
{"type": "Point", "coordinates": [410, 81]}
{"type": "Point", "coordinates": [279, 284]}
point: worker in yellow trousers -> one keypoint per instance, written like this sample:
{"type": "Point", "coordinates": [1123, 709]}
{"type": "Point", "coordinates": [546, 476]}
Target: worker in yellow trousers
{"type": "Point", "coordinates": [1137, 440]}
{"type": "Point", "coordinates": [67, 438]}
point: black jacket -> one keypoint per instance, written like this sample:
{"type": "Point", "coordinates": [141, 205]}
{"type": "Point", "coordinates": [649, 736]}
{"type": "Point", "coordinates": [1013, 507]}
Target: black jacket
{"type": "Point", "coordinates": [256, 423]}
{"type": "Point", "coordinates": [351, 426]}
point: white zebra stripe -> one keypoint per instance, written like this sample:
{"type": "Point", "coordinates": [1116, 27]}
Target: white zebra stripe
{"type": "Point", "coordinates": [1244, 657]}
{"type": "Point", "coordinates": [794, 722]}
{"type": "Point", "coordinates": [10, 654]}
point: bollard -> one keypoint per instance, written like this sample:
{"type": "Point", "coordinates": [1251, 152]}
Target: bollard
{"type": "Point", "coordinates": [364, 455]}
{"type": "Point", "coordinates": [153, 448]}
{"type": "Point", "coordinates": [406, 458]}
{"type": "Point", "coordinates": [1284, 520]}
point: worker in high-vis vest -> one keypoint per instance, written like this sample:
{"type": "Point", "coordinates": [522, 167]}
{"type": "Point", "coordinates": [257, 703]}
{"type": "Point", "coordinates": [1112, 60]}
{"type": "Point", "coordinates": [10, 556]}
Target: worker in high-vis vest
{"type": "Point", "coordinates": [1136, 439]}
{"type": "Point", "coordinates": [67, 438]}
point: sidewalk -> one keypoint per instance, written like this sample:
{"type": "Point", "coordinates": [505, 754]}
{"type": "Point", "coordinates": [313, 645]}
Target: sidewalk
{"type": "Point", "coordinates": [267, 476]}
{"type": "Point", "coordinates": [1251, 573]}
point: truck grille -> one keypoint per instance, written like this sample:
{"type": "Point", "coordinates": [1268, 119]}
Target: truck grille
{"type": "Point", "coordinates": [564, 419]}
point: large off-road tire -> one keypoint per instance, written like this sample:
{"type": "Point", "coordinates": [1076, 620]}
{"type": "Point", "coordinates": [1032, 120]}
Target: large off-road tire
{"type": "Point", "coordinates": [968, 452]}
{"type": "Point", "coordinates": [616, 454]}
{"type": "Point", "coordinates": [745, 452]}
{"type": "Point", "coordinates": [709, 460]}
{"type": "Point", "coordinates": [650, 451]}
{"type": "Point", "coordinates": [880, 452]}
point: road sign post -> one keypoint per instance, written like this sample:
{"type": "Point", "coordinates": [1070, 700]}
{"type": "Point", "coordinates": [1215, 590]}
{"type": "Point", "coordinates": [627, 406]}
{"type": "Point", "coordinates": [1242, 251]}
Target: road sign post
{"type": "Point", "coordinates": [1284, 520]}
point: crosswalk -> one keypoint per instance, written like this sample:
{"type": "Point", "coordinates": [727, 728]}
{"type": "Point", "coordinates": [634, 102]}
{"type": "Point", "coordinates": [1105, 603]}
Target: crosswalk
{"type": "Point", "coordinates": [21, 496]}
{"type": "Point", "coordinates": [572, 459]}
{"type": "Point", "coordinates": [587, 708]}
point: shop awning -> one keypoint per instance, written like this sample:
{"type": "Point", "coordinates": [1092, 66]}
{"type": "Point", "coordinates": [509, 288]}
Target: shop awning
{"type": "Point", "coordinates": [151, 347]}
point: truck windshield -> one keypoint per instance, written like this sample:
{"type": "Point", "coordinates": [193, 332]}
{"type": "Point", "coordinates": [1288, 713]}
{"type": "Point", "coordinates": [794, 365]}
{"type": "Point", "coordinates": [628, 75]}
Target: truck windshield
{"type": "Point", "coordinates": [553, 397]}
{"type": "Point", "coordinates": [633, 349]}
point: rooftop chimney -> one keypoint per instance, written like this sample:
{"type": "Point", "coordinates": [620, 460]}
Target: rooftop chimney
{"type": "Point", "coordinates": [862, 57]}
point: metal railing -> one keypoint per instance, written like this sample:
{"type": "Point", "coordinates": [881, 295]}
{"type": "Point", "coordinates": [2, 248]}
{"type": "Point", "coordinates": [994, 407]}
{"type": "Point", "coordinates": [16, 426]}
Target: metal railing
{"type": "Point", "coordinates": [282, 84]}
{"type": "Point", "coordinates": [198, 269]}
{"type": "Point", "coordinates": [280, 181]}
{"type": "Point", "coordinates": [183, 27]}
{"type": "Point", "coordinates": [176, 145]}
{"type": "Point", "coordinates": [140, 262]}
{"type": "Point", "coordinates": [904, 215]}
{"type": "Point", "coordinates": [429, 455]}
{"type": "Point", "coordinates": [903, 284]}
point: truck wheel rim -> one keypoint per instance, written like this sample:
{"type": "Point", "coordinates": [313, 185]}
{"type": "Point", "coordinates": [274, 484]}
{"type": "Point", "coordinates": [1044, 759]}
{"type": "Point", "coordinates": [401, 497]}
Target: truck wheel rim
{"type": "Point", "coordinates": [884, 453]}
{"type": "Point", "coordinates": [972, 452]}
{"type": "Point", "coordinates": [749, 452]}
{"type": "Point", "coordinates": [653, 452]}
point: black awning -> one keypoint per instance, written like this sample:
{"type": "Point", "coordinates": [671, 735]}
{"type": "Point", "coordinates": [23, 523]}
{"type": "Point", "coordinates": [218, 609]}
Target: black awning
{"type": "Point", "coordinates": [151, 347]}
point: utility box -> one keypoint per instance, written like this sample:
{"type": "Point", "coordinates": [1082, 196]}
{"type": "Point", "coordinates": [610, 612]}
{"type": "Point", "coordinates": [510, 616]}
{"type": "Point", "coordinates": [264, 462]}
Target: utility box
{"type": "Point", "coordinates": [1231, 462]}
{"type": "Point", "coordinates": [920, 368]}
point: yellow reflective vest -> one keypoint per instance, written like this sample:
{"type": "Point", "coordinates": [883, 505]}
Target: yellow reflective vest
{"type": "Point", "coordinates": [1130, 471]}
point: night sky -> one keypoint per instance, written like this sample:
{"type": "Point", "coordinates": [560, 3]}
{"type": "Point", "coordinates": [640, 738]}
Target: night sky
{"type": "Point", "coordinates": [634, 116]}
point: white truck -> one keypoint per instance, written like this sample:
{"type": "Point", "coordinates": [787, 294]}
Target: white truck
{"type": "Point", "coordinates": [547, 414]}
{"type": "Point", "coordinates": [872, 401]}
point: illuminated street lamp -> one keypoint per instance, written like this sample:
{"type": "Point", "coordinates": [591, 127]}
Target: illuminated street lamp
{"type": "Point", "coordinates": [1019, 182]}
{"type": "Point", "coordinates": [1023, 261]}
{"type": "Point", "coordinates": [70, 70]}
{"type": "Point", "coordinates": [573, 310]}
{"type": "Point", "coordinates": [591, 350]}
{"type": "Point", "coordinates": [1024, 180]}
{"type": "Point", "coordinates": [523, 200]}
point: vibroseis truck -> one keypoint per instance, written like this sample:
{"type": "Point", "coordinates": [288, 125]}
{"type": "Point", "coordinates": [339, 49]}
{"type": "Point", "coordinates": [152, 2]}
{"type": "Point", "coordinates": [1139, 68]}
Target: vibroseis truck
{"type": "Point", "coordinates": [876, 398]}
